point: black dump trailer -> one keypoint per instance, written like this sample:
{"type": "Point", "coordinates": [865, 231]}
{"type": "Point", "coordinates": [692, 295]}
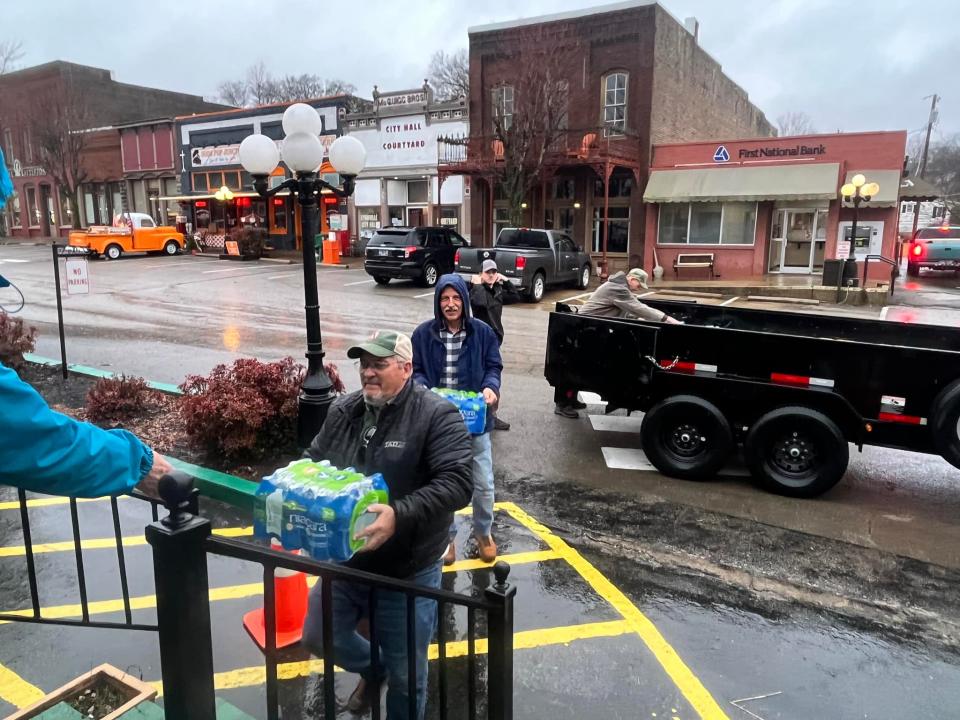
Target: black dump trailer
{"type": "Point", "coordinates": [791, 389]}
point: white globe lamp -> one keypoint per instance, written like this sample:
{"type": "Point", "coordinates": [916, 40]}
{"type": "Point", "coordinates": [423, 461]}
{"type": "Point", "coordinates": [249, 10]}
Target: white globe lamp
{"type": "Point", "coordinates": [347, 155]}
{"type": "Point", "coordinates": [259, 155]}
{"type": "Point", "coordinates": [301, 118]}
{"type": "Point", "coordinates": [302, 152]}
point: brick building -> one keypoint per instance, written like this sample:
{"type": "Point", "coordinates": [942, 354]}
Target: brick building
{"type": "Point", "coordinates": [636, 76]}
{"type": "Point", "coordinates": [96, 104]}
{"type": "Point", "coordinates": [772, 205]}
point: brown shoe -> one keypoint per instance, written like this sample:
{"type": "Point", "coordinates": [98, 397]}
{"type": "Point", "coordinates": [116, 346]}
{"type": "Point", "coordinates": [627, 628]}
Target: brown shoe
{"type": "Point", "coordinates": [450, 556]}
{"type": "Point", "coordinates": [363, 696]}
{"type": "Point", "coordinates": [488, 548]}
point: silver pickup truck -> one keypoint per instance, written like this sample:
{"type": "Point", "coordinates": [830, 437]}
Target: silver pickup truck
{"type": "Point", "coordinates": [531, 259]}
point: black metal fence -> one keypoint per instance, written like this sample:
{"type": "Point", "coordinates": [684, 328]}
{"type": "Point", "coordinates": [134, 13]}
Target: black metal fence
{"type": "Point", "coordinates": [35, 616]}
{"type": "Point", "coordinates": [181, 542]}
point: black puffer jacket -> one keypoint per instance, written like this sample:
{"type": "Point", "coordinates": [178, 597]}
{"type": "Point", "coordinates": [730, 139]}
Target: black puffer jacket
{"type": "Point", "coordinates": [423, 450]}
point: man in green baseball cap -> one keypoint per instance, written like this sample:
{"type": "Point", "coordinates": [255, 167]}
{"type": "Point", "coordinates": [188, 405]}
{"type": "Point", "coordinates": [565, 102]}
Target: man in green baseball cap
{"type": "Point", "coordinates": [419, 443]}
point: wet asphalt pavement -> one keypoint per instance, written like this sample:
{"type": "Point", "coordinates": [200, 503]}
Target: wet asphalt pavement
{"type": "Point", "coordinates": [162, 318]}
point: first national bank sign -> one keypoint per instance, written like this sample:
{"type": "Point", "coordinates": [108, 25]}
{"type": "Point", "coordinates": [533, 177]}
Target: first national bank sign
{"type": "Point", "coordinates": [722, 155]}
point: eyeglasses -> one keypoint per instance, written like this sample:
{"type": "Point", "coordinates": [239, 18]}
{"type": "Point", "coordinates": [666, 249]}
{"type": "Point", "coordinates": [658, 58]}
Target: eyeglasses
{"type": "Point", "coordinates": [377, 365]}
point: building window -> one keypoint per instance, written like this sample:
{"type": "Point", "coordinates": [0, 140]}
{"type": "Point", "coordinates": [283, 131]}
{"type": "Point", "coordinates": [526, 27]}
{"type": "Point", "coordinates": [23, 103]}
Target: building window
{"type": "Point", "coordinates": [907, 207]}
{"type": "Point", "coordinates": [417, 192]}
{"type": "Point", "coordinates": [8, 145]}
{"type": "Point", "coordinates": [33, 212]}
{"type": "Point", "coordinates": [369, 218]}
{"type": "Point", "coordinates": [707, 223]}
{"type": "Point", "coordinates": [450, 216]}
{"type": "Point", "coordinates": [501, 220]}
{"type": "Point", "coordinates": [278, 216]}
{"type": "Point", "coordinates": [503, 107]}
{"type": "Point", "coordinates": [619, 238]}
{"type": "Point", "coordinates": [27, 147]}
{"type": "Point", "coordinates": [559, 219]}
{"type": "Point", "coordinates": [66, 211]}
{"type": "Point", "coordinates": [213, 181]}
{"type": "Point", "coordinates": [615, 103]}
{"type": "Point", "coordinates": [563, 189]}
{"type": "Point", "coordinates": [621, 185]}
{"type": "Point", "coordinates": [15, 218]}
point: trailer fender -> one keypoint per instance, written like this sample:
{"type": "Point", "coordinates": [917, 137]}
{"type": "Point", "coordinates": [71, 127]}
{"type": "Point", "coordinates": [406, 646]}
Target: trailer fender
{"type": "Point", "coordinates": [946, 423]}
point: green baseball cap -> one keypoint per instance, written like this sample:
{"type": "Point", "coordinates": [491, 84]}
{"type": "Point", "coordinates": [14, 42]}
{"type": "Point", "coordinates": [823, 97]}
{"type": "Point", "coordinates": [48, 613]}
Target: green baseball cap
{"type": "Point", "coordinates": [384, 343]}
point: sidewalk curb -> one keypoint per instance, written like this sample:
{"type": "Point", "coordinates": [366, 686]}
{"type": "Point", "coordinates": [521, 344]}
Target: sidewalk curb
{"type": "Point", "coordinates": [97, 373]}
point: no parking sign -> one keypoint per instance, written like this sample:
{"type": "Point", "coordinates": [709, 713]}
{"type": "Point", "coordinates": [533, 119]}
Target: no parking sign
{"type": "Point", "coordinates": [78, 279]}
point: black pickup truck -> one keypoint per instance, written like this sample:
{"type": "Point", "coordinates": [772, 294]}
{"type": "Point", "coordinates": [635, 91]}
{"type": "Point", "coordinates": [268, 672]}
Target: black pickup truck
{"type": "Point", "coordinates": [532, 260]}
{"type": "Point", "coordinates": [791, 389]}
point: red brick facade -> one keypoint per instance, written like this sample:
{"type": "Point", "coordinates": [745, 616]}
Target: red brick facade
{"type": "Point", "coordinates": [878, 155]}
{"type": "Point", "coordinates": [40, 208]}
{"type": "Point", "coordinates": [674, 90]}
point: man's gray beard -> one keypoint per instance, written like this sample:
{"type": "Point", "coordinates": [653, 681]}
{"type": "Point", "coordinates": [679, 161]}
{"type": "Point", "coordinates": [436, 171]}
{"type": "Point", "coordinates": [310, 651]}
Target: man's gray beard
{"type": "Point", "coordinates": [376, 402]}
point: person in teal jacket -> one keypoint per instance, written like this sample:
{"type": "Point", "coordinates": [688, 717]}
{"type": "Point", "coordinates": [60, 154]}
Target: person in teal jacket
{"type": "Point", "coordinates": [47, 452]}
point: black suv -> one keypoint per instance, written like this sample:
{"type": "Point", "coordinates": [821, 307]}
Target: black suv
{"type": "Point", "coordinates": [421, 253]}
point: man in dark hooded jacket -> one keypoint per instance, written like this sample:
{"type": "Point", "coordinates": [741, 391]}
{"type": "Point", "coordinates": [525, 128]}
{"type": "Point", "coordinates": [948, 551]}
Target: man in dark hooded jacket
{"type": "Point", "coordinates": [455, 350]}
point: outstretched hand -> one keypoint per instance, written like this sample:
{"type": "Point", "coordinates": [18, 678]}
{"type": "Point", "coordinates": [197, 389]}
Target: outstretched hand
{"type": "Point", "coordinates": [380, 530]}
{"type": "Point", "coordinates": [149, 485]}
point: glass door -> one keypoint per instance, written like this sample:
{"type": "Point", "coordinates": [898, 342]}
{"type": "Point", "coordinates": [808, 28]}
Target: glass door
{"type": "Point", "coordinates": [797, 241]}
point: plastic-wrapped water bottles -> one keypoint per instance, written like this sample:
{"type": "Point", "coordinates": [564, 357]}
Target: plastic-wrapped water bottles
{"type": "Point", "coordinates": [472, 407]}
{"type": "Point", "coordinates": [317, 507]}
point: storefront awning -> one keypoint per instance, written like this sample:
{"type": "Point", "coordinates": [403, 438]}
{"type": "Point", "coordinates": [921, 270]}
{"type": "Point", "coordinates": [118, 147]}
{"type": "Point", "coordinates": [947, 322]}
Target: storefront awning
{"type": "Point", "coordinates": [781, 182]}
{"type": "Point", "coordinates": [912, 188]}
{"type": "Point", "coordinates": [889, 181]}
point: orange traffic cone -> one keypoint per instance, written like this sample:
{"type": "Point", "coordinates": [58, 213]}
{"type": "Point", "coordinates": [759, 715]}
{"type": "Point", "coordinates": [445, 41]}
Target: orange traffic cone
{"type": "Point", "coordinates": [290, 589]}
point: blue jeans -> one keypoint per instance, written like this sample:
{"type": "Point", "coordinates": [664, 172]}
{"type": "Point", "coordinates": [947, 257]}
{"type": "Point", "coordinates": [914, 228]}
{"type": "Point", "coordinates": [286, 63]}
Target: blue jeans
{"type": "Point", "coordinates": [351, 651]}
{"type": "Point", "coordinates": [482, 486]}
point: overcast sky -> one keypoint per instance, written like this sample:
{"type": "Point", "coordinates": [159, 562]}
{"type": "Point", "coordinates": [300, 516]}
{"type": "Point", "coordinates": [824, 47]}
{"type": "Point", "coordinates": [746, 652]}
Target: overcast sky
{"type": "Point", "coordinates": [850, 66]}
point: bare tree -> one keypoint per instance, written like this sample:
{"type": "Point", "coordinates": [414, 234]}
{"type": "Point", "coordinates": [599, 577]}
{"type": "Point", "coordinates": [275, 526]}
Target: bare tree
{"type": "Point", "coordinates": [10, 52]}
{"type": "Point", "coordinates": [260, 85]}
{"type": "Point", "coordinates": [530, 117]}
{"type": "Point", "coordinates": [943, 171]}
{"type": "Point", "coordinates": [233, 92]}
{"type": "Point", "coordinates": [59, 126]}
{"type": "Point", "coordinates": [795, 123]}
{"type": "Point", "coordinates": [450, 74]}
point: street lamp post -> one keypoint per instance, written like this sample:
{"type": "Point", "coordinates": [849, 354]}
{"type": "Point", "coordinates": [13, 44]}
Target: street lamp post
{"type": "Point", "coordinates": [855, 192]}
{"type": "Point", "coordinates": [224, 195]}
{"type": "Point", "coordinates": [302, 152]}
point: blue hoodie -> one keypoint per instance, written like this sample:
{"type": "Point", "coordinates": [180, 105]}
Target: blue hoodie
{"type": "Point", "coordinates": [44, 451]}
{"type": "Point", "coordinates": [479, 365]}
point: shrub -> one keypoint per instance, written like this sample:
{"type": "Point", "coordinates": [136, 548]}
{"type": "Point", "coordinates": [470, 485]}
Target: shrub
{"type": "Point", "coordinates": [245, 410]}
{"type": "Point", "coordinates": [15, 340]}
{"type": "Point", "coordinates": [250, 240]}
{"type": "Point", "coordinates": [114, 399]}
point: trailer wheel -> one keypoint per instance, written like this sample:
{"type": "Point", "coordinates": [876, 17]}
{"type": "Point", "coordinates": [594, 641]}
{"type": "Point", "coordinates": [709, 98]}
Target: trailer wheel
{"type": "Point", "coordinates": [946, 423]}
{"type": "Point", "coordinates": [686, 437]}
{"type": "Point", "coordinates": [796, 451]}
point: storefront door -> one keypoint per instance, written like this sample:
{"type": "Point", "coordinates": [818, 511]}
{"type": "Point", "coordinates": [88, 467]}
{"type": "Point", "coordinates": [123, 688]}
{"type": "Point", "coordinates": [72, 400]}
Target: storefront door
{"type": "Point", "coordinates": [797, 243]}
{"type": "Point", "coordinates": [415, 217]}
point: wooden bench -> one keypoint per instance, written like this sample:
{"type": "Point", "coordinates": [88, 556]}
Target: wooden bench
{"type": "Point", "coordinates": [693, 260]}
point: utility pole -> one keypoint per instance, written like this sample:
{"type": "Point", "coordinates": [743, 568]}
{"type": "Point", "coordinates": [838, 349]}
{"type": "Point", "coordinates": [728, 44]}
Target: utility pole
{"type": "Point", "coordinates": [926, 143]}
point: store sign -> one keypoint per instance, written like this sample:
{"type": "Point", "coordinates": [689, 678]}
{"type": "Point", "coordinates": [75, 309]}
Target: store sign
{"type": "Point", "coordinates": [219, 155]}
{"type": "Point", "coordinates": [78, 279]}
{"type": "Point", "coordinates": [401, 99]}
{"type": "Point", "coordinates": [778, 152]}
{"type": "Point", "coordinates": [405, 141]}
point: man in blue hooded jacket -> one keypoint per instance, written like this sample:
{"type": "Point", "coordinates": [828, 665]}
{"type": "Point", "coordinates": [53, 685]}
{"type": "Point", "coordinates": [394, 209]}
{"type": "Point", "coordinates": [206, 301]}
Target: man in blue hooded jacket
{"type": "Point", "coordinates": [47, 452]}
{"type": "Point", "coordinates": [457, 351]}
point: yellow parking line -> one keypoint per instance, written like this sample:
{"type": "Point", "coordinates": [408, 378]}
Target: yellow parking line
{"type": "Point", "coordinates": [17, 691]}
{"type": "Point", "coordinates": [48, 501]}
{"type": "Point", "coordinates": [105, 543]}
{"type": "Point", "coordinates": [237, 592]}
{"type": "Point", "coordinates": [525, 640]}
{"type": "Point", "coordinates": [688, 683]}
